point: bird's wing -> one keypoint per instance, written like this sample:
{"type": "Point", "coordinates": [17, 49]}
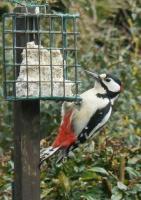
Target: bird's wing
{"type": "Point", "coordinates": [96, 122]}
{"type": "Point", "coordinates": [45, 153]}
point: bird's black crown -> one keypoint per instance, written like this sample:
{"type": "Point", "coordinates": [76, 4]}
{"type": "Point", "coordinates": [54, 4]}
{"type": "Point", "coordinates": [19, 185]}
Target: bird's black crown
{"type": "Point", "coordinates": [114, 78]}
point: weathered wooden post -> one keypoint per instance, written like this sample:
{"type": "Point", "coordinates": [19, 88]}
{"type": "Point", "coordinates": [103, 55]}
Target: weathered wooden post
{"type": "Point", "coordinates": [39, 54]}
{"type": "Point", "coordinates": [26, 127]}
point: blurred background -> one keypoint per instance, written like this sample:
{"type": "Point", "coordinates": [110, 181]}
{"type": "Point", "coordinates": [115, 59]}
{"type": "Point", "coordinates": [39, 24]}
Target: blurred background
{"type": "Point", "coordinates": [109, 167]}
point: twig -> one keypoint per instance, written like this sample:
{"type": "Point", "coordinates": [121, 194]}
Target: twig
{"type": "Point", "coordinates": [107, 186]}
{"type": "Point", "coordinates": [122, 169]}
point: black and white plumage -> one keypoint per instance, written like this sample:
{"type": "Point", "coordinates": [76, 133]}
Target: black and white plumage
{"type": "Point", "coordinates": [80, 122]}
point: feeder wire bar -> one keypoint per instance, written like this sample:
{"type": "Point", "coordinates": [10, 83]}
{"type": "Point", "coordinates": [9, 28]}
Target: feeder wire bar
{"type": "Point", "coordinates": [50, 39]}
{"type": "Point", "coordinates": [26, 52]}
{"type": "Point", "coordinates": [14, 53]}
{"type": "Point", "coordinates": [4, 60]}
{"type": "Point", "coordinates": [63, 51]}
{"type": "Point", "coordinates": [75, 59]}
{"type": "Point", "coordinates": [39, 51]}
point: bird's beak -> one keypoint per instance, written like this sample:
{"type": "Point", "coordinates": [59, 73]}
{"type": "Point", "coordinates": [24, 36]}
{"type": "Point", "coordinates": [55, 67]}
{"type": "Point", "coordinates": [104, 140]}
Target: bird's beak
{"type": "Point", "coordinates": [94, 75]}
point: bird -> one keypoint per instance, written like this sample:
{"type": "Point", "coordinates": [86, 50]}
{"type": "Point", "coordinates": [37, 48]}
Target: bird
{"type": "Point", "coordinates": [84, 120]}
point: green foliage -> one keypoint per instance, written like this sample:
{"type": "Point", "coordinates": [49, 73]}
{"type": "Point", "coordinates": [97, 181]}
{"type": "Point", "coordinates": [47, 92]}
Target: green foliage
{"type": "Point", "coordinates": [110, 166]}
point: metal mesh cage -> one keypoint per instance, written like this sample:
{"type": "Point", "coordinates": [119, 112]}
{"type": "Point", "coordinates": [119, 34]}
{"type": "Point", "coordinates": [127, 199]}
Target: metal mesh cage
{"type": "Point", "coordinates": [40, 56]}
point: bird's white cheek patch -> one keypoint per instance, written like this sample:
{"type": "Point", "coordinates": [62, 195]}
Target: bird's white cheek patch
{"type": "Point", "coordinates": [113, 87]}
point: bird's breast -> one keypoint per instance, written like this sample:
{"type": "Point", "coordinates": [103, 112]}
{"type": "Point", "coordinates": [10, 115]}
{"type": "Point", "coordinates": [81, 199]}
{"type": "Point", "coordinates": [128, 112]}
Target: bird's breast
{"type": "Point", "coordinates": [88, 109]}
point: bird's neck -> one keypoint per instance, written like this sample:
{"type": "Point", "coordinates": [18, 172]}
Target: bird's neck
{"type": "Point", "coordinates": [113, 99]}
{"type": "Point", "coordinates": [102, 93]}
{"type": "Point", "coordinates": [99, 89]}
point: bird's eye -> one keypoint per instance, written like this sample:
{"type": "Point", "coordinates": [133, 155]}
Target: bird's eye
{"type": "Point", "coordinates": [107, 79]}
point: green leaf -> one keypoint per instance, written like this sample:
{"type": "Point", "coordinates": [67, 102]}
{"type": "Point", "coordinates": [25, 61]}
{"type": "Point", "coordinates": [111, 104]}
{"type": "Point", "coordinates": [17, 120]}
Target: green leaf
{"type": "Point", "coordinates": [116, 194]}
{"type": "Point", "coordinates": [64, 181]}
{"type": "Point", "coordinates": [121, 186]}
{"type": "Point", "coordinates": [88, 197]}
{"type": "Point", "coordinates": [46, 192]}
{"type": "Point", "coordinates": [132, 172]}
{"type": "Point", "coordinates": [89, 175]}
{"type": "Point", "coordinates": [134, 160]}
{"type": "Point", "coordinates": [99, 170]}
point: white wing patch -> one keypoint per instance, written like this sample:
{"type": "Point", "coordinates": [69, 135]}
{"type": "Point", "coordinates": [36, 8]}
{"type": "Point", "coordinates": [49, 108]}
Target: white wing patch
{"type": "Point", "coordinates": [47, 152]}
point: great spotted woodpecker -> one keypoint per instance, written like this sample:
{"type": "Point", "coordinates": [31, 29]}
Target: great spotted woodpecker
{"type": "Point", "coordinates": [80, 122]}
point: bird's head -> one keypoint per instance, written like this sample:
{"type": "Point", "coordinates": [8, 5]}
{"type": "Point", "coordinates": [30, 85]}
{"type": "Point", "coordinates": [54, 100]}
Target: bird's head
{"type": "Point", "coordinates": [107, 83]}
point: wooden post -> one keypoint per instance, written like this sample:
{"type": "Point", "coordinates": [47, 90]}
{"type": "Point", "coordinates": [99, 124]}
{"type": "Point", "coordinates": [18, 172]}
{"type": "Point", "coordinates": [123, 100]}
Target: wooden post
{"type": "Point", "coordinates": [26, 132]}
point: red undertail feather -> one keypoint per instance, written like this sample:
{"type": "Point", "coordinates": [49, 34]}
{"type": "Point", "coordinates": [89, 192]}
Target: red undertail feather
{"type": "Point", "coordinates": [66, 135]}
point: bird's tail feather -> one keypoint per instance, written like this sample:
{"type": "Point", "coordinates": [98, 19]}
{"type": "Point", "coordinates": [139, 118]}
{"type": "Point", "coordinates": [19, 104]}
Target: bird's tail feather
{"type": "Point", "coordinates": [62, 156]}
{"type": "Point", "coordinates": [45, 153]}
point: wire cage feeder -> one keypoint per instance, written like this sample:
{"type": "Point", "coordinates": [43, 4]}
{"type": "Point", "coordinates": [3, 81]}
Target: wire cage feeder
{"type": "Point", "coordinates": [40, 55]}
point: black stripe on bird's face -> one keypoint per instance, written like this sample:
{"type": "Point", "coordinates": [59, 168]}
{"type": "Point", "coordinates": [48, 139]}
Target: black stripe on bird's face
{"type": "Point", "coordinates": [109, 95]}
{"type": "Point", "coordinates": [111, 85]}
